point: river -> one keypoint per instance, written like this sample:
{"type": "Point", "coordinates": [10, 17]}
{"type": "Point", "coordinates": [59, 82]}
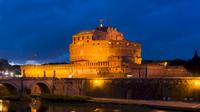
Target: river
{"type": "Point", "coordinates": [38, 106]}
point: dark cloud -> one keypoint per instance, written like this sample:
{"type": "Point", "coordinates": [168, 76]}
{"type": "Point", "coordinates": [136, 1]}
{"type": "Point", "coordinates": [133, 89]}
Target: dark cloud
{"type": "Point", "coordinates": [42, 29]}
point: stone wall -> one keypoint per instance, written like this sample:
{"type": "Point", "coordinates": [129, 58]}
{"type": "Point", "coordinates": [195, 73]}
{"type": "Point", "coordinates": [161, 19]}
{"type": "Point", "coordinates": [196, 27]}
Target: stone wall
{"type": "Point", "coordinates": [77, 70]}
{"type": "Point", "coordinates": [164, 71]}
{"type": "Point", "coordinates": [114, 68]}
{"type": "Point", "coordinates": [181, 89]}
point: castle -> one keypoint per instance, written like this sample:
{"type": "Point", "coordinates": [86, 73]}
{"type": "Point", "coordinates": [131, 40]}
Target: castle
{"type": "Point", "coordinates": [101, 52]}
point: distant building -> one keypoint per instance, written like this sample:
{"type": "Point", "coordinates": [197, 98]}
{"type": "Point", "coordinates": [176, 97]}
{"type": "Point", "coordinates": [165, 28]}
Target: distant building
{"type": "Point", "coordinates": [8, 70]}
{"type": "Point", "coordinates": [101, 52]}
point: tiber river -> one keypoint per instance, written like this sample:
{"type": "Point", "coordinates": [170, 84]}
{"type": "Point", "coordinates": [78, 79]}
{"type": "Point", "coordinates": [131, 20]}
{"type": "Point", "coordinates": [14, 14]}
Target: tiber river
{"type": "Point", "coordinates": [37, 106]}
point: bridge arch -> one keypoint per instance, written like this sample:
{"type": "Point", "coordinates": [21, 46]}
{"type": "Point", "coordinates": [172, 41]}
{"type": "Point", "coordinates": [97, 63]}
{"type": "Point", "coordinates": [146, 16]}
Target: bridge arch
{"type": "Point", "coordinates": [11, 88]}
{"type": "Point", "coordinates": [39, 88]}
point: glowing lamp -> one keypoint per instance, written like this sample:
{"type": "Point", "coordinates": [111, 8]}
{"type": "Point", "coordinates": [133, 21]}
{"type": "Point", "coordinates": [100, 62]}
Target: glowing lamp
{"type": "Point", "coordinates": [196, 84]}
{"type": "Point", "coordinates": [70, 76]}
{"type": "Point", "coordinates": [165, 63]}
{"type": "Point", "coordinates": [98, 83]}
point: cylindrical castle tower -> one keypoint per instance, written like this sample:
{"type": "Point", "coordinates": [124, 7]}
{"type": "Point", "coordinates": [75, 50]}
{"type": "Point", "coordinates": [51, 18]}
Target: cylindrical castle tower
{"type": "Point", "coordinates": [100, 44]}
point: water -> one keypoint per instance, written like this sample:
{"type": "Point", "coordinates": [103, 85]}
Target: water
{"type": "Point", "coordinates": [37, 106]}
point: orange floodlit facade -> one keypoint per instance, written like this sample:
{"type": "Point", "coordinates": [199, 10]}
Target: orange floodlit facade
{"type": "Point", "coordinates": [103, 52]}
{"type": "Point", "coordinates": [102, 43]}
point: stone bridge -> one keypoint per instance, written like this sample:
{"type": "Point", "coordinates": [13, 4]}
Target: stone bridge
{"type": "Point", "coordinates": [37, 86]}
{"type": "Point", "coordinates": [178, 88]}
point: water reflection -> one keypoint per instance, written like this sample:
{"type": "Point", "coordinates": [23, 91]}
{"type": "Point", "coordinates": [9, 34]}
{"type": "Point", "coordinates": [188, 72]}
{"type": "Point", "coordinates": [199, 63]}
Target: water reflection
{"type": "Point", "coordinates": [3, 106]}
{"type": "Point", "coordinates": [38, 106]}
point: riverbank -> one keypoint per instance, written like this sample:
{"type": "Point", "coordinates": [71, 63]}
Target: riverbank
{"type": "Point", "coordinates": [170, 105]}
{"type": "Point", "coordinates": [11, 98]}
{"type": "Point", "coordinates": [58, 98]}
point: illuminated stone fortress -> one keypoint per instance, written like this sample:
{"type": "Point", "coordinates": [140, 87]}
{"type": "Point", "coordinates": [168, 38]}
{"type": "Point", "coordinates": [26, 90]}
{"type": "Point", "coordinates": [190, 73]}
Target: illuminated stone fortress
{"type": "Point", "coordinates": [103, 52]}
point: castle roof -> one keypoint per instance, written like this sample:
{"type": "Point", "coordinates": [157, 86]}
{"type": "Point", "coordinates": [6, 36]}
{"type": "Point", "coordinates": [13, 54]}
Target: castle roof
{"type": "Point", "coordinates": [103, 33]}
{"type": "Point", "coordinates": [103, 29]}
{"type": "Point", "coordinates": [85, 32]}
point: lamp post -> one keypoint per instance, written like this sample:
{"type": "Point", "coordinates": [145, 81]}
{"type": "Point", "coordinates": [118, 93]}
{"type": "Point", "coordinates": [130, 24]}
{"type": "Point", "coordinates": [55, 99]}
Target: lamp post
{"type": "Point", "coordinates": [53, 79]}
{"type": "Point", "coordinates": [22, 85]}
{"type": "Point", "coordinates": [146, 71]}
{"type": "Point", "coordinates": [44, 75]}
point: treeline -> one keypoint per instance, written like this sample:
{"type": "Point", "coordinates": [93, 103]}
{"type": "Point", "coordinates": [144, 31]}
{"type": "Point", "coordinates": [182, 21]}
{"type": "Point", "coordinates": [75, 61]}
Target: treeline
{"type": "Point", "coordinates": [192, 65]}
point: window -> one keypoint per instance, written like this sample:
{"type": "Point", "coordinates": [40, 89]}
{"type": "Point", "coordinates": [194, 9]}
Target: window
{"type": "Point", "coordinates": [88, 37]}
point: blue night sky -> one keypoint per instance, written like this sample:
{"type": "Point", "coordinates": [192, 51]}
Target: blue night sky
{"type": "Point", "coordinates": [40, 30]}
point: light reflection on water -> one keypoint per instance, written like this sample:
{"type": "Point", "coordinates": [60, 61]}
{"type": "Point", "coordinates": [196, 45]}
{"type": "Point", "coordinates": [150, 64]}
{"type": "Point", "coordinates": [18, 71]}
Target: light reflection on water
{"type": "Point", "coordinates": [38, 106]}
{"type": "Point", "coordinates": [3, 106]}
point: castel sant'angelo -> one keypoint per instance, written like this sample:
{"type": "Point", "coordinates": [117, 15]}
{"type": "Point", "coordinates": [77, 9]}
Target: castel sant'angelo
{"type": "Point", "coordinates": [103, 52]}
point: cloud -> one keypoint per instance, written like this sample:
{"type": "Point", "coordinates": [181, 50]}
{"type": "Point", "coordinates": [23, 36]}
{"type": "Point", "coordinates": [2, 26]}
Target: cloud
{"type": "Point", "coordinates": [30, 62]}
